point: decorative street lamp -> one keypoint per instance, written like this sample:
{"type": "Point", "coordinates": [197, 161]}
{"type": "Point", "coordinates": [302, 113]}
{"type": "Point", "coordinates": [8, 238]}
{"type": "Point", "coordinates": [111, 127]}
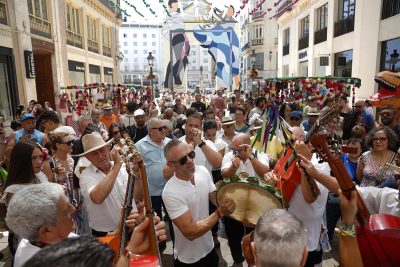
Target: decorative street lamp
{"type": "Point", "coordinates": [252, 73]}
{"type": "Point", "coordinates": [151, 75]}
{"type": "Point", "coordinates": [201, 80]}
{"type": "Point", "coordinates": [394, 57]}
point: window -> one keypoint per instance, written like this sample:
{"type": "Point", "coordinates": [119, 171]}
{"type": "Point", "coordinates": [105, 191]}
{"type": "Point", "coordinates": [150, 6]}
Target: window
{"type": "Point", "coordinates": [144, 35]}
{"type": "Point", "coordinates": [343, 63]}
{"type": "Point", "coordinates": [258, 31]}
{"type": "Point", "coordinates": [134, 35]}
{"type": "Point", "coordinates": [154, 52]}
{"type": "Point", "coordinates": [205, 52]}
{"type": "Point", "coordinates": [134, 43]}
{"type": "Point", "coordinates": [144, 43]}
{"type": "Point", "coordinates": [305, 27]}
{"type": "Point", "coordinates": [125, 52]}
{"type": "Point", "coordinates": [153, 43]}
{"type": "Point", "coordinates": [153, 35]}
{"type": "Point", "coordinates": [126, 59]}
{"type": "Point", "coordinates": [125, 35]}
{"type": "Point", "coordinates": [92, 29]}
{"type": "Point", "coordinates": [205, 60]}
{"type": "Point", "coordinates": [390, 58]}
{"type": "Point", "coordinates": [106, 36]}
{"type": "Point", "coordinates": [259, 61]}
{"type": "Point", "coordinates": [135, 52]}
{"type": "Point", "coordinates": [322, 17]}
{"type": "Point", "coordinates": [38, 8]}
{"type": "Point", "coordinates": [390, 8]}
{"type": "Point", "coordinates": [144, 52]}
{"type": "Point", "coordinates": [72, 18]}
{"type": "Point", "coordinates": [303, 69]}
{"type": "Point", "coordinates": [125, 43]}
{"type": "Point", "coordinates": [286, 36]}
{"type": "Point", "coordinates": [346, 9]}
{"type": "Point", "coordinates": [135, 60]}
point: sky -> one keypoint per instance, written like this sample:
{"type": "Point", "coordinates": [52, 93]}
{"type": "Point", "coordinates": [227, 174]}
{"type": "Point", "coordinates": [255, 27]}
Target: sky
{"type": "Point", "coordinates": [157, 7]}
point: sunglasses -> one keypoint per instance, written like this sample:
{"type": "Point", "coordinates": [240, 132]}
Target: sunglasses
{"type": "Point", "coordinates": [380, 139]}
{"type": "Point", "coordinates": [160, 129]}
{"type": "Point", "coordinates": [183, 160]}
{"type": "Point", "coordinates": [70, 142]}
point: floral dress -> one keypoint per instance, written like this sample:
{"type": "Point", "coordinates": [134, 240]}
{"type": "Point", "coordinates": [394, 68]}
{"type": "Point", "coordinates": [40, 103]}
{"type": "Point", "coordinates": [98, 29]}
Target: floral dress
{"type": "Point", "coordinates": [371, 171]}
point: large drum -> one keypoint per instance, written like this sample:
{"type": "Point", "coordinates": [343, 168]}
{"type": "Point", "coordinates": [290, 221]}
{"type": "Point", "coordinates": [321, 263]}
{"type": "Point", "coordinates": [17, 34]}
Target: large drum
{"type": "Point", "coordinates": [252, 196]}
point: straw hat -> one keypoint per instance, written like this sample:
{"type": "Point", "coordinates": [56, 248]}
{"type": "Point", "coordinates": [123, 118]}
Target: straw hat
{"type": "Point", "coordinates": [92, 142]}
{"type": "Point", "coordinates": [107, 106]}
{"type": "Point", "coordinates": [313, 111]}
{"type": "Point", "coordinates": [227, 120]}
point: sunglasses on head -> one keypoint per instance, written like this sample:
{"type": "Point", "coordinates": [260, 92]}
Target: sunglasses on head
{"type": "Point", "coordinates": [183, 160]}
{"type": "Point", "coordinates": [70, 142]}
{"type": "Point", "coordinates": [160, 129]}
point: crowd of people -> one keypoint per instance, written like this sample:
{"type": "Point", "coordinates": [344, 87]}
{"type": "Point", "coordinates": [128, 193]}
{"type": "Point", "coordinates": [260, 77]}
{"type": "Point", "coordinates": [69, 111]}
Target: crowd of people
{"type": "Point", "coordinates": [62, 184]}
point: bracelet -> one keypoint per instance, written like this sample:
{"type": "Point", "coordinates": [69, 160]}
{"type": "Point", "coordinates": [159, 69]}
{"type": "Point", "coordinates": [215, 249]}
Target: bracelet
{"type": "Point", "coordinates": [202, 143]}
{"type": "Point", "coordinates": [219, 213]}
{"type": "Point", "coordinates": [346, 230]}
{"type": "Point", "coordinates": [127, 253]}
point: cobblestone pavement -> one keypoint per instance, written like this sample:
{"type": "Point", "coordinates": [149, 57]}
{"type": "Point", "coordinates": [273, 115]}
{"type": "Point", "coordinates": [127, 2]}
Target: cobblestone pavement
{"type": "Point", "coordinates": [330, 259]}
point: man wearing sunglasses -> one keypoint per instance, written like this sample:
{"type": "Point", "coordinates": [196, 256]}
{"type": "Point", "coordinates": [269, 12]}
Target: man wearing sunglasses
{"type": "Point", "coordinates": [151, 148]}
{"type": "Point", "coordinates": [241, 159]}
{"type": "Point", "coordinates": [186, 196]}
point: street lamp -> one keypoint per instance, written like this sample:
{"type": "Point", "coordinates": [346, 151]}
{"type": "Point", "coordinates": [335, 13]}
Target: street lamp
{"type": "Point", "coordinates": [252, 73]}
{"type": "Point", "coordinates": [151, 76]}
{"type": "Point", "coordinates": [201, 80]}
{"type": "Point", "coordinates": [394, 57]}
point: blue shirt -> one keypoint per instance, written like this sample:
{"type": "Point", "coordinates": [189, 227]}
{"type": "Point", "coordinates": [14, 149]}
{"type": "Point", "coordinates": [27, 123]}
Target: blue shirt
{"type": "Point", "coordinates": [351, 167]}
{"type": "Point", "coordinates": [154, 161]}
{"type": "Point", "coordinates": [306, 125]}
{"type": "Point", "coordinates": [36, 136]}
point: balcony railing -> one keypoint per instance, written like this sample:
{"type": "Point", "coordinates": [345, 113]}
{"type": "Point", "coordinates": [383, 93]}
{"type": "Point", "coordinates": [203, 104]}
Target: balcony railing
{"type": "Point", "coordinates": [320, 36]}
{"type": "Point", "coordinates": [390, 8]}
{"type": "Point", "coordinates": [40, 26]}
{"type": "Point", "coordinates": [257, 42]}
{"type": "Point", "coordinates": [303, 42]}
{"type": "Point", "coordinates": [74, 39]}
{"type": "Point", "coordinates": [106, 51]}
{"type": "Point", "coordinates": [93, 46]}
{"type": "Point", "coordinates": [285, 50]}
{"type": "Point", "coordinates": [3, 12]}
{"type": "Point", "coordinates": [246, 46]}
{"type": "Point", "coordinates": [257, 15]}
{"type": "Point", "coordinates": [344, 26]}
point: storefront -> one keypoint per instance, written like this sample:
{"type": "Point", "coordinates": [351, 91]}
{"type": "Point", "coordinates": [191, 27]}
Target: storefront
{"type": "Point", "coordinates": [108, 75]}
{"type": "Point", "coordinates": [8, 86]}
{"type": "Point", "coordinates": [343, 63]}
{"type": "Point", "coordinates": [76, 72]}
{"type": "Point", "coordinates": [94, 73]}
{"type": "Point", "coordinates": [303, 63]}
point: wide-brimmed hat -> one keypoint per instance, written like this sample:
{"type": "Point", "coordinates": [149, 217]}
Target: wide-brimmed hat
{"type": "Point", "coordinates": [227, 120]}
{"type": "Point", "coordinates": [107, 106]}
{"type": "Point", "coordinates": [313, 111]}
{"type": "Point", "coordinates": [92, 142]}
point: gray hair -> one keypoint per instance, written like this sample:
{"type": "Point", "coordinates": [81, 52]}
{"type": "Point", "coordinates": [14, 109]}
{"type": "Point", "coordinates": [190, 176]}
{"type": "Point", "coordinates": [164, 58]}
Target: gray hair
{"type": "Point", "coordinates": [280, 239]}
{"type": "Point", "coordinates": [33, 207]}
{"type": "Point", "coordinates": [83, 118]}
{"type": "Point", "coordinates": [168, 124]}
{"type": "Point", "coordinates": [151, 121]}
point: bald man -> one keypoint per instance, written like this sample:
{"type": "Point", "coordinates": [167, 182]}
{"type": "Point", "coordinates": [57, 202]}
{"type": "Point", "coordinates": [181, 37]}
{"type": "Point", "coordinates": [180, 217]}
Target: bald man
{"type": "Point", "coordinates": [242, 158]}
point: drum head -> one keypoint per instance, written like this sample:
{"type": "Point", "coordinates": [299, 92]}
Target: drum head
{"type": "Point", "coordinates": [251, 201]}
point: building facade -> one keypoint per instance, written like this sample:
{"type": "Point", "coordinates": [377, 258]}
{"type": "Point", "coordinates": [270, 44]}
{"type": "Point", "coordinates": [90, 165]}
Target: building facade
{"type": "Point", "coordinates": [137, 40]}
{"type": "Point", "coordinates": [199, 69]}
{"type": "Point", "coordinates": [48, 44]}
{"type": "Point", "coordinates": [342, 38]}
{"type": "Point", "coordinates": [258, 33]}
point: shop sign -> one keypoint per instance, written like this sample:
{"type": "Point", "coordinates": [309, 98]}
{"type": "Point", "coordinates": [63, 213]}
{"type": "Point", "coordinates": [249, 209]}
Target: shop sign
{"type": "Point", "coordinates": [76, 66]}
{"type": "Point", "coordinates": [29, 65]}
{"type": "Point", "coordinates": [303, 55]}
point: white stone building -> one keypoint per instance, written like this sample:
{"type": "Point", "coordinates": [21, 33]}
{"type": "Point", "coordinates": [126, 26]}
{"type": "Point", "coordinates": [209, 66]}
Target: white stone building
{"type": "Point", "coordinates": [344, 38]}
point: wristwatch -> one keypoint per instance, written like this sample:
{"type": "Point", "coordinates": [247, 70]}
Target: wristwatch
{"type": "Point", "coordinates": [252, 156]}
{"type": "Point", "coordinates": [202, 143]}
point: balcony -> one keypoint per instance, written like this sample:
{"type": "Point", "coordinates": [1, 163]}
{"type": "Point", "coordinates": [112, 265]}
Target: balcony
{"type": "Point", "coordinates": [257, 15]}
{"type": "Point", "coordinates": [344, 26]}
{"type": "Point", "coordinates": [257, 42]}
{"type": "Point", "coordinates": [320, 36]}
{"type": "Point", "coordinates": [3, 12]}
{"type": "Point", "coordinates": [390, 8]}
{"type": "Point", "coordinates": [285, 50]}
{"type": "Point", "coordinates": [303, 42]}
{"type": "Point", "coordinates": [40, 26]}
{"type": "Point", "coordinates": [93, 46]}
{"type": "Point", "coordinates": [246, 46]}
{"type": "Point", "coordinates": [106, 51]}
{"type": "Point", "coordinates": [74, 39]}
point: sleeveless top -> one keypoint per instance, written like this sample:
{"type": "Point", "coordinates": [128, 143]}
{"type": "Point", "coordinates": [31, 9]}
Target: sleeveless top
{"type": "Point", "coordinates": [36, 136]}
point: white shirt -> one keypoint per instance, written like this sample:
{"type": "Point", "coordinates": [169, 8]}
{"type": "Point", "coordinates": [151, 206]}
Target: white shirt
{"type": "Point", "coordinates": [381, 200]}
{"type": "Point", "coordinates": [200, 158]}
{"type": "Point", "coordinates": [180, 196]}
{"type": "Point", "coordinates": [246, 166]}
{"type": "Point", "coordinates": [104, 217]}
{"type": "Point", "coordinates": [26, 250]}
